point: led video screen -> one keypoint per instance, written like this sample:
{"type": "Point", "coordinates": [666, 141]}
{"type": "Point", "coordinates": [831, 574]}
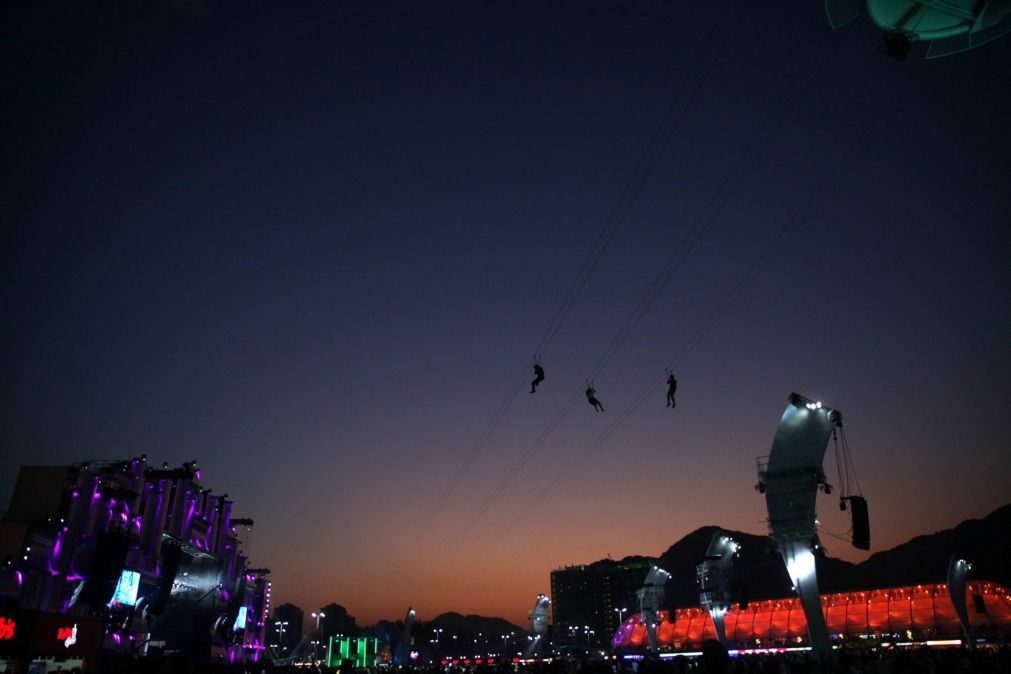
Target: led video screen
{"type": "Point", "coordinates": [126, 589]}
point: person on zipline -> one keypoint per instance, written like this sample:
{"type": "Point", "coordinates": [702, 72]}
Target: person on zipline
{"type": "Point", "coordinates": [672, 386]}
{"type": "Point", "coordinates": [538, 376]}
{"type": "Point", "coordinates": [592, 399]}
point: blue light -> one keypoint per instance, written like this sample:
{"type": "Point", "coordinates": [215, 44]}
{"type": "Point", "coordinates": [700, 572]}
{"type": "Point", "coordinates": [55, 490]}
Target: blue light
{"type": "Point", "coordinates": [240, 620]}
{"type": "Point", "coordinates": [126, 589]}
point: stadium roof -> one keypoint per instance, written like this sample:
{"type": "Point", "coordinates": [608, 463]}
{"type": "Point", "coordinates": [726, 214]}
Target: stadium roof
{"type": "Point", "coordinates": [924, 610]}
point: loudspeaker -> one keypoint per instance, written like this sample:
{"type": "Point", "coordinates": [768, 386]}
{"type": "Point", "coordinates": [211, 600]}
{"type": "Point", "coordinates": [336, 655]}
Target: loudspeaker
{"type": "Point", "coordinates": [861, 523]}
{"type": "Point", "coordinates": [743, 597]}
{"type": "Point", "coordinates": [977, 600]}
{"type": "Point", "coordinates": [171, 556]}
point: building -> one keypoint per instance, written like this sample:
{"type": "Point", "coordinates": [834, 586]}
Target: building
{"type": "Point", "coordinates": [916, 614]}
{"type": "Point", "coordinates": [107, 558]}
{"type": "Point", "coordinates": [589, 600]}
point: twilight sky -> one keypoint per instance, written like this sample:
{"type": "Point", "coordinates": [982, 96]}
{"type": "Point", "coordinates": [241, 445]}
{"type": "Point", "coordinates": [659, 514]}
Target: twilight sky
{"type": "Point", "coordinates": [312, 245]}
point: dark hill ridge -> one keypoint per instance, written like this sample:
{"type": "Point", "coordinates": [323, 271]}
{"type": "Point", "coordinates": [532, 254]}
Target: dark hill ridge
{"type": "Point", "coordinates": [469, 626]}
{"type": "Point", "coordinates": [924, 559]}
{"type": "Point", "coordinates": [985, 542]}
{"type": "Point", "coordinates": [761, 572]}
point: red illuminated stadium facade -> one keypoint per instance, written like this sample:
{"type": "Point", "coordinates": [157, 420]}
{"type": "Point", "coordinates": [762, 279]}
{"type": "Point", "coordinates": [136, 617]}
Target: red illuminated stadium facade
{"type": "Point", "coordinates": [914, 613]}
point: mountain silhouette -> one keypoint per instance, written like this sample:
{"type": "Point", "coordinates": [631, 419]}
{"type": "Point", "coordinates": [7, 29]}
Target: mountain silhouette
{"type": "Point", "coordinates": [469, 626]}
{"type": "Point", "coordinates": [924, 559]}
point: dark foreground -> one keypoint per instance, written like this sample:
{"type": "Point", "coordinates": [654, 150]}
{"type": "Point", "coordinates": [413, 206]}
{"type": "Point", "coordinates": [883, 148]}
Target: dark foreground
{"type": "Point", "coordinates": [920, 661]}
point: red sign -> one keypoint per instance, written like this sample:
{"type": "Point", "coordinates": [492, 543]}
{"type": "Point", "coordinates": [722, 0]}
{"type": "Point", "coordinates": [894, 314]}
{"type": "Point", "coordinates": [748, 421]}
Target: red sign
{"type": "Point", "coordinates": [6, 629]}
{"type": "Point", "coordinates": [64, 633]}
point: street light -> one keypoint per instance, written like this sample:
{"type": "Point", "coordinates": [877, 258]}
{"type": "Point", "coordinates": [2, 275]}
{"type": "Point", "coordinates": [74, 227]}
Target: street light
{"type": "Point", "coordinates": [317, 616]}
{"type": "Point", "coordinates": [620, 611]}
{"type": "Point", "coordinates": [438, 635]}
{"type": "Point", "coordinates": [279, 625]}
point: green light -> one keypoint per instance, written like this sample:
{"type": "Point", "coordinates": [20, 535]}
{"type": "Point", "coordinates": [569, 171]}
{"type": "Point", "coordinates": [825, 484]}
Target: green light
{"type": "Point", "coordinates": [362, 656]}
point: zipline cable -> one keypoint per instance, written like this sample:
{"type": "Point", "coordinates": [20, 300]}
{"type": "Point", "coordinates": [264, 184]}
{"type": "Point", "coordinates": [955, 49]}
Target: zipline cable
{"type": "Point", "coordinates": [714, 206]}
{"type": "Point", "coordinates": [733, 178]}
{"type": "Point", "coordinates": [524, 459]}
{"type": "Point", "coordinates": [618, 214]}
{"type": "Point", "coordinates": [600, 245]}
{"type": "Point", "coordinates": [826, 185]}
{"type": "Point", "coordinates": [612, 349]}
{"type": "Point", "coordinates": [473, 453]}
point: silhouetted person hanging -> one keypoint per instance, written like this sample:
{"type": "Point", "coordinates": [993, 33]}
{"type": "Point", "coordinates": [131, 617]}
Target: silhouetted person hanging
{"type": "Point", "coordinates": [591, 398]}
{"type": "Point", "coordinates": [538, 375]}
{"type": "Point", "coordinates": [672, 386]}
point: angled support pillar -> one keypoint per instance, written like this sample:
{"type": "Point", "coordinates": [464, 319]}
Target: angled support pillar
{"type": "Point", "coordinates": [405, 642]}
{"type": "Point", "coordinates": [790, 477]}
{"type": "Point", "coordinates": [714, 578]}
{"type": "Point", "coordinates": [650, 597]}
{"type": "Point", "coordinates": [958, 572]}
{"type": "Point", "coordinates": [538, 624]}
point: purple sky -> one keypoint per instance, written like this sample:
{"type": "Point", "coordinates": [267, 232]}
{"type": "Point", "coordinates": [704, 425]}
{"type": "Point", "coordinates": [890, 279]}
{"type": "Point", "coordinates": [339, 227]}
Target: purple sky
{"type": "Point", "coordinates": [313, 246]}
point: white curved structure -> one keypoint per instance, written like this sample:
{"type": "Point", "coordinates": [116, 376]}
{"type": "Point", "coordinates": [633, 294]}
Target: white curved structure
{"type": "Point", "coordinates": [538, 624]}
{"type": "Point", "coordinates": [958, 572]}
{"type": "Point", "coordinates": [790, 477]}
{"type": "Point", "coordinates": [650, 598]}
{"type": "Point", "coordinates": [405, 643]}
{"type": "Point", "coordinates": [714, 578]}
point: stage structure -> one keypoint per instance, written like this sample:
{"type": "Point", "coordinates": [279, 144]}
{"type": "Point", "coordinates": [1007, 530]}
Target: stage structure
{"type": "Point", "coordinates": [538, 624]}
{"type": "Point", "coordinates": [650, 597]}
{"type": "Point", "coordinates": [149, 552]}
{"type": "Point", "coordinates": [715, 576]}
{"type": "Point", "coordinates": [790, 477]}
